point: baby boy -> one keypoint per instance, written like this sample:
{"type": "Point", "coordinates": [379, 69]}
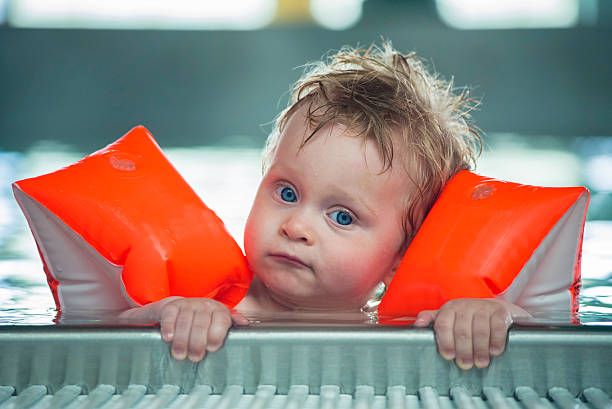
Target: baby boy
{"type": "Point", "coordinates": [351, 169]}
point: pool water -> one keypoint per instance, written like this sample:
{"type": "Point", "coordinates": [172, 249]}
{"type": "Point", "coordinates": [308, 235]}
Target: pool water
{"type": "Point", "coordinates": [25, 298]}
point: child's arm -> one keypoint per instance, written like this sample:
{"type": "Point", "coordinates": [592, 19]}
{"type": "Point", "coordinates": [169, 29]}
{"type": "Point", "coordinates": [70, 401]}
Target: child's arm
{"type": "Point", "coordinates": [471, 330]}
{"type": "Point", "coordinates": [193, 325]}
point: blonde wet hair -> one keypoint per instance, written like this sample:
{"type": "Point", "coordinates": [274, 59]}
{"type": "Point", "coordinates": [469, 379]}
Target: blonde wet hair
{"type": "Point", "coordinates": [377, 93]}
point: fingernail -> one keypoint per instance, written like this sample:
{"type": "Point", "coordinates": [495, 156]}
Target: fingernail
{"type": "Point", "coordinates": [464, 364]}
{"type": "Point", "coordinates": [495, 351]}
{"type": "Point", "coordinates": [167, 336]}
{"type": "Point", "coordinates": [482, 363]}
{"type": "Point", "coordinates": [195, 358]}
{"type": "Point", "coordinates": [179, 355]}
{"type": "Point", "coordinates": [449, 356]}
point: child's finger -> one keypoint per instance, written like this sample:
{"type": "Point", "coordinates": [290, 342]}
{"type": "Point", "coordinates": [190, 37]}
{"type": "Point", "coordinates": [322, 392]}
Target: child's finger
{"type": "Point", "coordinates": [197, 338]}
{"type": "Point", "coordinates": [182, 330]}
{"type": "Point", "coordinates": [425, 318]}
{"type": "Point", "coordinates": [499, 332]}
{"type": "Point", "coordinates": [239, 319]}
{"type": "Point", "coordinates": [221, 322]}
{"type": "Point", "coordinates": [463, 339]}
{"type": "Point", "coordinates": [168, 321]}
{"type": "Point", "coordinates": [480, 335]}
{"type": "Point", "coordinates": [444, 327]}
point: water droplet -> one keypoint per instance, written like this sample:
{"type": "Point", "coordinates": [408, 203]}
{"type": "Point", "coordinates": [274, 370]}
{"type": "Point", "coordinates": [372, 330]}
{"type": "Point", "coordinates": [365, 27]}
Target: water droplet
{"type": "Point", "coordinates": [483, 191]}
{"type": "Point", "coordinates": [122, 163]}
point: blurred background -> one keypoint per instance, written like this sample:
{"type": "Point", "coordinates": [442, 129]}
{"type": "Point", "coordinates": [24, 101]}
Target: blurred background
{"type": "Point", "coordinates": [203, 72]}
{"type": "Point", "coordinates": [207, 77]}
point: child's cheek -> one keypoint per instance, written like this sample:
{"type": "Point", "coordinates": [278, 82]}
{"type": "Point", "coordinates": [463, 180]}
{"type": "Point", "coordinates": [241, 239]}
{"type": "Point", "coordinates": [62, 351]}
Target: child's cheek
{"type": "Point", "coordinates": [256, 235]}
{"type": "Point", "coordinates": [346, 272]}
{"type": "Point", "coordinates": [360, 267]}
{"type": "Point", "coordinates": [250, 242]}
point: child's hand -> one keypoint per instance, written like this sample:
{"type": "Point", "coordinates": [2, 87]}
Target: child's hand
{"type": "Point", "coordinates": [471, 330]}
{"type": "Point", "coordinates": [193, 325]}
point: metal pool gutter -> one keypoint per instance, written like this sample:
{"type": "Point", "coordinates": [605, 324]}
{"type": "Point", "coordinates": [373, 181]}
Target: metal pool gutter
{"type": "Point", "coordinates": [320, 359]}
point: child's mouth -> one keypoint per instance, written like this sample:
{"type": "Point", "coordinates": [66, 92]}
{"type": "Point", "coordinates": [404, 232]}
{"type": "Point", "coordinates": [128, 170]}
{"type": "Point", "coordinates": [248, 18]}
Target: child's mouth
{"type": "Point", "coordinates": [285, 258]}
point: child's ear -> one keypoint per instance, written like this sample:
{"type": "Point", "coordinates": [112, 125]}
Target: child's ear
{"type": "Point", "coordinates": [388, 278]}
{"type": "Point", "coordinates": [396, 263]}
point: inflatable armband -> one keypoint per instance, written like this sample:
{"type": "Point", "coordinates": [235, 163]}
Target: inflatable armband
{"type": "Point", "coordinates": [487, 238]}
{"type": "Point", "coordinates": [122, 228]}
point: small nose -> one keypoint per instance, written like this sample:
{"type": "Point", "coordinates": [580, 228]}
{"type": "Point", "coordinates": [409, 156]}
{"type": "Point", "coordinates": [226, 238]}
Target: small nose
{"type": "Point", "coordinates": [296, 229]}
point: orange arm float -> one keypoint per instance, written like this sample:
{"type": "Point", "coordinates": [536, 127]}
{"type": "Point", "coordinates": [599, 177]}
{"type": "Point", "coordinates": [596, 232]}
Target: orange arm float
{"type": "Point", "coordinates": [122, 228]}
{"type": "Point", "coordinates": [486, 238]}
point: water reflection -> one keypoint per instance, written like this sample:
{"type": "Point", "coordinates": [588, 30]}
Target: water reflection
{"type": "Point", "coordinates": [49, 316]}
{"type": "Point", "coordinates": [227, 178]}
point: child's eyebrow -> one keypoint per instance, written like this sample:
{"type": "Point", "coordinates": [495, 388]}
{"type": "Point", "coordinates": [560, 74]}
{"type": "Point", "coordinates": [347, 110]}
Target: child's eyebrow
{"type": "Point", "coordinates": [338, 193]}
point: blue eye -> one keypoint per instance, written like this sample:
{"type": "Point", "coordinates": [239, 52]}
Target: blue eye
{"type": "Point", "coordinates": [342, 218]}
{"type": "Point", "coordinates": [288, 195]}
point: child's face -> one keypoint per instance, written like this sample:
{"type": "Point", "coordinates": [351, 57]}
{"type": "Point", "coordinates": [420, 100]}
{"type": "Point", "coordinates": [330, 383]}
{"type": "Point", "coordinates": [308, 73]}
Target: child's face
{"type": "Point", "coordinates": [326, 224]}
